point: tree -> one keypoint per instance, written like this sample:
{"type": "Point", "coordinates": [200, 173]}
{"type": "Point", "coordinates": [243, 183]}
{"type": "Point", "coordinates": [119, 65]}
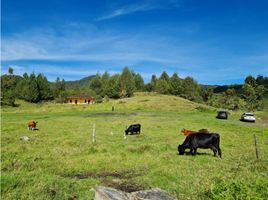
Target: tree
{"type": "Point", "coordinates": [175, 85]}
{"type": "Point", "coordinates": [44, 90]}
{"type": "Point", "coordinates": [10, 71]}
{"type": "Point", "coordinates": [252, 93]}
{"type": "Point", "coordinates": [31, 91]}
{"type": "Point", "coordinates": [114, 86]}
{"type": "Point", "coordinates": [8, 85]}
{"type": "Point", "coordinates": [127, 83]}
{"type": "Point", "coordinates": [34, 88]}
{"type": "Point", "coordinates": [151, 87]}
{"type": "Point", "coordinates": [164, 76]}
{"type": "Point", "coordinates": [139, 82]}
{"type": "Point", "coordinates": [206, 93]}
{"type": "Point", "coordinates": [191, 90]}
{"type": "Point", "coordinates": [230, 100]}
{"type": "Point", "coordinates": [162, 86]}
{"type": "Point", "coordinates": [96, 84]}
{"type": "Point", "coordinates": [261, 80]}
{"type": "Point", "coordinates": [104, 80]}
{"type": "Point", "coordinates": [59, 89]}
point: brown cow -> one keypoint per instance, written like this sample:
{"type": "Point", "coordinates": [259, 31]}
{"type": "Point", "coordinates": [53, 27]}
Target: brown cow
{"type": "Point", "coordinates": [32, 125]}
{"type": "Point", "coordinates": [189, 132]}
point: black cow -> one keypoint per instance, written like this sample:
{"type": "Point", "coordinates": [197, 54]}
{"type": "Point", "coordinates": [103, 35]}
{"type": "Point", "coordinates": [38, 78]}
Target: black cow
{"type": "Point", "coordinates": [201, 140]}
{"type": "Point", "coordinates": [134, 128]}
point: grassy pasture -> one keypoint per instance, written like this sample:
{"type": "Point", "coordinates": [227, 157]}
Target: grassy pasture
{"type": "Point", "coordinates": [60, 161]}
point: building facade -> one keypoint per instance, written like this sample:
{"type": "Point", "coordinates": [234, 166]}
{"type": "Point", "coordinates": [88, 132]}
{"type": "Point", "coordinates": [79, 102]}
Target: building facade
{"type": "Point", "coordinates": [81, 99]}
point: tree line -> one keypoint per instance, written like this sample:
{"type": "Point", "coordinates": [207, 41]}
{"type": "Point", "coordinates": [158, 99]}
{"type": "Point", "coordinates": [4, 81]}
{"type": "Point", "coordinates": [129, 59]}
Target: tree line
{"type": "Point", "coordinates": [36, 88]}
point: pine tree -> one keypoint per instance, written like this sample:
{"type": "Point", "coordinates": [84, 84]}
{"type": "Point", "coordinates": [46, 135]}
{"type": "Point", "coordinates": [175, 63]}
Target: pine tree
{"type": "Point", "coordinates": [175, 85]}
{"type": "Point", "coordinates": [164, 76]}
{"type": "Point", "coordinates": [162, 86]}
{"type": "Point", "coordinates": [96, 85]}
{"type": "Point", "coordinates": [139, 82]}
{"type": "Point", "coordinates": [44, 90]}
{"type": "Point", "coordinates": [58, 88]}
{"type": "Point", "coordinates": [104, 80]}
{"type": "Point", "coordinates": [151, 87]}
{"type": "Point", "coordinates": [127, 83]}
{"type": "Point", "coordinates": [114, 86]}
{"type": "Point", "coordinates": [31, 90]}
{"type": "Point", "coordinates": [191, 89]}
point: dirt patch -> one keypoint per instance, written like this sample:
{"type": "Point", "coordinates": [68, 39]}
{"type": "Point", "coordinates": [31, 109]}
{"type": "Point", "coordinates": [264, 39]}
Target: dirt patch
{"type": "Point", "coordinates": [121, 180]}
{"type": "Point", "coordinates": [123, 185]}
{"type": "Point", "coordinates": [111, 114]}
{"type": "Point", "coordinates": [116, 174]}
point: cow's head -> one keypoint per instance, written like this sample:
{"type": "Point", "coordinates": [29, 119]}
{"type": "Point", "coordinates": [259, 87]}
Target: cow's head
{"type": "Point", "coordinates": [183, 130]}
{"type": "Point", "coordinates": [181, 149]}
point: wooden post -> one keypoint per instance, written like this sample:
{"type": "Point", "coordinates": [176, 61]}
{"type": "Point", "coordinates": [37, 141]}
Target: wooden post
{"type": "Point", "coordinates": [125, 136]}
{"type": "Point", "coordinates": [256, 147]}
{"type": "Point", "coordinates": [94, 133]}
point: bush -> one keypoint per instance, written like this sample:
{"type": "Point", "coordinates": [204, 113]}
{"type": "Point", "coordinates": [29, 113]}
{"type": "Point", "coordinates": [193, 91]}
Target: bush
{"type": "Point", "coordinates": [239, 189]}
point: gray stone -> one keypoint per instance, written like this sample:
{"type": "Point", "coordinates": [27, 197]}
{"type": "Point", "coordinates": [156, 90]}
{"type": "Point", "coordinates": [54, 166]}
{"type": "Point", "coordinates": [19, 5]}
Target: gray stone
{"type": "Point", "coordinates": [153, 194]}
{"type": "Point", "coordinates": [107, 193]}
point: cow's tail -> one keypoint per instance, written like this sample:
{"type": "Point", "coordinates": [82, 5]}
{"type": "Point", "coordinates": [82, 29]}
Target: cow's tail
{"type": "Point", "coordinates": [218, 146]}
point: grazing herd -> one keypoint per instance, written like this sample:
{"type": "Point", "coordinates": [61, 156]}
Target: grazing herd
{"type": "Point", "coordinates": [194, 139]}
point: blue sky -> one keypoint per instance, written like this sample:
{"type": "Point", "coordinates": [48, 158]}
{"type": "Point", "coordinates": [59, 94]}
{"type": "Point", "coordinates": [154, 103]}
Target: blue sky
{"type": "Point", "coordinates": [214, 41]}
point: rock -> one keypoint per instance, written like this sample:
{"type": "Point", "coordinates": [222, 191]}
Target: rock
{"type": "Point", "coordinates": [153, 194]}
{"type": "Point", "coordinates": [107, 193]}
{"type": "Point", "coordinates": [25, 138]}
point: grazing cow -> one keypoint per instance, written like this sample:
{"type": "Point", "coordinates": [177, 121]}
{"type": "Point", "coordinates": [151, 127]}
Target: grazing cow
{"type": "Point", "coordinates": [201, 140]}
{"type": "Point", "coordinates": [32, 125]}
{"type": "Point", "coordinates": [134, 128]}
{"type": "Point", "coordinates": [189, 132]}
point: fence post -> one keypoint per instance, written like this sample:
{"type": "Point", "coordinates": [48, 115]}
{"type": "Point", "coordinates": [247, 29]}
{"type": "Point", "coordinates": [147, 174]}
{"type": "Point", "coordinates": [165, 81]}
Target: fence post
{"type": "Point", "coordinates": [94, 133]}
{"type": "Point", "coordinates": [125, 136]}
{"type": "Point", "coordinates": [256, 147]}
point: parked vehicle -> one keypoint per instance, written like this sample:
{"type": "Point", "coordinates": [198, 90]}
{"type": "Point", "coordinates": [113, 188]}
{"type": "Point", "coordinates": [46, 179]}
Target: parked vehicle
{"type": "Point", "coordinates": [248, 117]}
{"type": "Point", "coordinates": [222, 114]}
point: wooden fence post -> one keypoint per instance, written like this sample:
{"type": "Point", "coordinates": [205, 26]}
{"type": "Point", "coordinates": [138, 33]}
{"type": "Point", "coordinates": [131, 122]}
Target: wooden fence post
{"type": "Point", "coordinates": [125, 136]}
{"type": "Point", "coordinates": [256, 147]}
{"type": "Point", "coordinates": [94, 133]}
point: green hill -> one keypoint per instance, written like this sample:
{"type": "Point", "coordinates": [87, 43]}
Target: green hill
{"type": "Point", "coordinates": [81, 84]}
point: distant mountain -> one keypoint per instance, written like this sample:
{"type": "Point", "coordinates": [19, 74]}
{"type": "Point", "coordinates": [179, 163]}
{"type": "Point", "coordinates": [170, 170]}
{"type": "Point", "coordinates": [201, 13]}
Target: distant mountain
{"type": "Point", "coordinates": [82, 83]}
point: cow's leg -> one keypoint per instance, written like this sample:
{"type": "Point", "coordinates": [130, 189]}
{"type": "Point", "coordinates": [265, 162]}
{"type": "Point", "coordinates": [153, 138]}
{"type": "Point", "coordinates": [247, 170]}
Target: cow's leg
{"type": "Point", "coordinates": [195, 150]}
{"type": "Point", "coordinates": [219, 152]}
{"type": "Point", "coordinates": [214, 149]}
{"type": "Point", "coordinates": [192, 151]}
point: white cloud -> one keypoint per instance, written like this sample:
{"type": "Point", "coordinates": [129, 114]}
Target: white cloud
{"type": "Point", "coordinates": [140, 7]}
{"type": "Point", "coordinates": [127, 10]}
{"type": "Point", "coordinates": [99, 50]}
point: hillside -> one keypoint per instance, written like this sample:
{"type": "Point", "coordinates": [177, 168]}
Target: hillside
{"type": "Point", "coordinates": [81, 84]}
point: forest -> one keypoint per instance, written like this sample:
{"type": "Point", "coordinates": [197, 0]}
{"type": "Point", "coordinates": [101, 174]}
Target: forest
{"type": "Point", "coordinates": [35, 88]}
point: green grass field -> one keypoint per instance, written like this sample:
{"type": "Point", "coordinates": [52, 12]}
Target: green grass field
{"type": "Point", "coordinates": [60, 161]}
